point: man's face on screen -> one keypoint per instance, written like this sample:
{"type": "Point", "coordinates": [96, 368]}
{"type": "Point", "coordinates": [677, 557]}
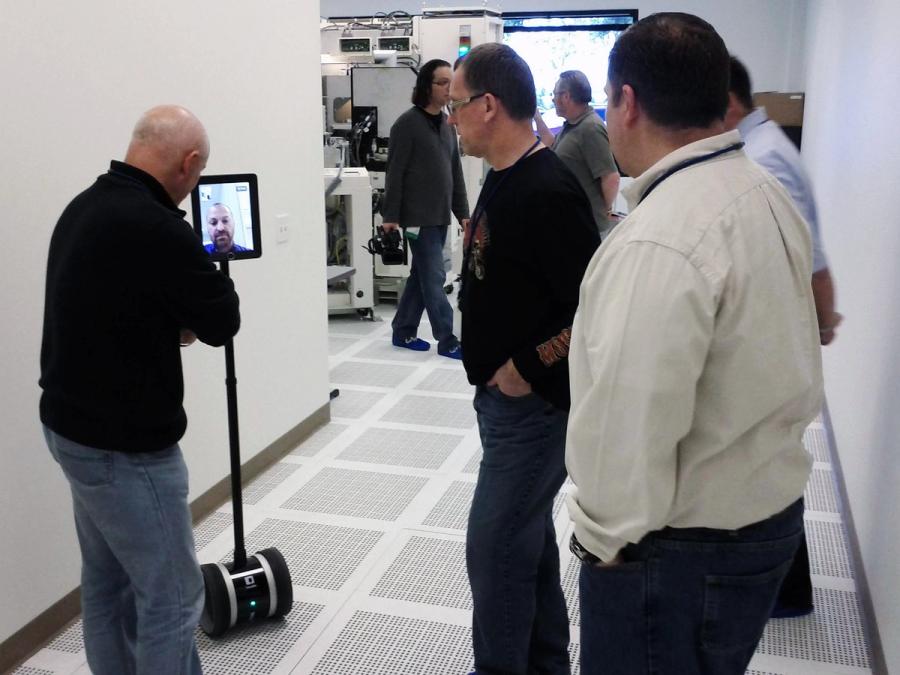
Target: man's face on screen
{"type": "Point", "coordinates": [220, 225]}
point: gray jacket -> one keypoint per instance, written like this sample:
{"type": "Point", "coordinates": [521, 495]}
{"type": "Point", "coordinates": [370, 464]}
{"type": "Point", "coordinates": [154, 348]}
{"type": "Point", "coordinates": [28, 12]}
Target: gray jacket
{"type": "Point", "coordinates": [424, 181]}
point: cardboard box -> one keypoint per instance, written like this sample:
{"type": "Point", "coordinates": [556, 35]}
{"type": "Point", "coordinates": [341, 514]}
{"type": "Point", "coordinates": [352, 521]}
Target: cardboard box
{"type": "Point", "coordinates": [784, 108]}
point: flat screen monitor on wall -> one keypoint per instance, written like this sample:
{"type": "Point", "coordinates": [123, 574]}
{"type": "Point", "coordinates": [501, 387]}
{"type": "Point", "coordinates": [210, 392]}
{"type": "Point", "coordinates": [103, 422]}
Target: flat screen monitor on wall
{"type": "Point", "coordinates": [226, 216]}
{"type": "Point", "coordinates": [552, 42]}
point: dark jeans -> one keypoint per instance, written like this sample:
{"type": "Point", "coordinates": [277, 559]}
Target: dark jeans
{"type": "Point", "coordinates": [519, 622]}
{"type": "Point", "coordinates": [425, 291]}
{"type": "Point", "coordinates": [796, 589]}
{"type": "Point", "coordinates": [686, 601]}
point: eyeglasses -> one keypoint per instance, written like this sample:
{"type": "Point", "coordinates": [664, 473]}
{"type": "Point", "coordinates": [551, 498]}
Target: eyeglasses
{"type": "Point", "coordinates": [459, 103]}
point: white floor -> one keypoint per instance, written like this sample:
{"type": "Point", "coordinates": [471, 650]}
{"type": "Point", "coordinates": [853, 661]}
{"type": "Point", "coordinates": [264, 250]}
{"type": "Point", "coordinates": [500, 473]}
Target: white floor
{"type": "Point", "coordinates": [370, 514]}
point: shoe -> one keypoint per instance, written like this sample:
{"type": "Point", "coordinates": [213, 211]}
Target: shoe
{"type": "Point", "coordinates": [413, 343]}
{"type": "Point", "coordinates": [790, 611]}
{"type": "Point", "coordinates": [453, 353]}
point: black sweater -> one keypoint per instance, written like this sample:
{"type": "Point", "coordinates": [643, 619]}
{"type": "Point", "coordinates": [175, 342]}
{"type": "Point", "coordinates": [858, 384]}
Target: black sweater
{"type": "Point", "coordinates": [424, 180]}
{"type": "Point", "coordinates": [534, 237]}
{"type": "Point", "coordinates": [125, 274]}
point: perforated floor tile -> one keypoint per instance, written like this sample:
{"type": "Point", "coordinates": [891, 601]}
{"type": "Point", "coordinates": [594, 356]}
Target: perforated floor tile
{"type": "Point", "coordinates": [474, 462]}
{"type": "Point", "coordinates": [361, 494]}
{"type": "Point", "coordinates": [828, 549]}
{"type": "Point", "coordinates": [433, 411]}
{"type": "Point", "coordinates": [816, 442]}
{"type": "Point", "coordinates": [352, 325]}
{"type": "Point", "coordinates": [381, 644]}
{"type": "Point", "coordinates": [448, 381]}
{"type": "Point", "coordinates": [322, 437]}
{"type": "Point", "coordinates": [575, 657]}
{"type": "Point", "coordinates": [71, 640]}
{"type": "Point", "coordinates": [211, 527]}
{"type": "Point", "coordinates": [831, 634]}
{"type": "Point", "coordinates": [318, 556]}
{"type": "Point", "coordinates": [428, 571]}
{"type": "Point", "coordinates": [257, 647]}
{"type": "Point", "coordinates": [452, 510]}
{"type": "Point", "coordinates": [383, 350]}
{"type": "Point", "coordinates": [28, 670]}
{"type": "Point", "coordinates": [396, 447]}
{"type": "Point", "coordinates": [820, 493]}
{"type": "Point", "coordinates": [569, 582]}
{"type": "Point", "coordinates": [267, 481]}
{"type": "Point", "coordinates": [370, 374]}
{"type": "Point", "coordinates": [338, 344]}
{"type": "Point", "coordinates": [354, 404]}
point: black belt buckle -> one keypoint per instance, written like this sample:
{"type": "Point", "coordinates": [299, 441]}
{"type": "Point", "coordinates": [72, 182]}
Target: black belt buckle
{"type": "Point", "coordinates": [582, 553]}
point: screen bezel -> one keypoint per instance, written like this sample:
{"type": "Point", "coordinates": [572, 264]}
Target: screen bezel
{"type": "Point", "coordinates": [250, 179]}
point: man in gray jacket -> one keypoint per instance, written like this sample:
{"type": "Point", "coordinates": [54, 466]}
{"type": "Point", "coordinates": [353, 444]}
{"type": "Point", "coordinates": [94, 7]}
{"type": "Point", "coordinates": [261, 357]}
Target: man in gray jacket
{"type": "Point", "coordinates": [424, 184]}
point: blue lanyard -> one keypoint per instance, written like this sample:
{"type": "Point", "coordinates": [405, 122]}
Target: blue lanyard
{"type": "Point", "coordinates": [690, 162]}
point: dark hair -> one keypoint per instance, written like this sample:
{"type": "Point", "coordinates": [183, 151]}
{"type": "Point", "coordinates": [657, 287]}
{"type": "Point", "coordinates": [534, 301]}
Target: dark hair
{"type": "Point", "coordinates": [739, 84]}
{"type": "Point", "coordinates": [497, 69]}
{"type": "Point", "coordinates": [678, 67]}
{"type": "Point", "coordinates": [421, 95]}
{"type": "Point", "coordinates": [576, 83]}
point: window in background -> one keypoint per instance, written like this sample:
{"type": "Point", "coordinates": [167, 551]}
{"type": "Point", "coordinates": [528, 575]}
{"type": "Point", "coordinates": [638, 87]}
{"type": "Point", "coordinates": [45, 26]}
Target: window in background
{"type": "Point", "coordinates": [554, 42]}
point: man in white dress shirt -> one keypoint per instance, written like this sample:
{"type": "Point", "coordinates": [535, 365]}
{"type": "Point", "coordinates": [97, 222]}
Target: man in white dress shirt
{"type": "Point", "coordinates": [695, 368]}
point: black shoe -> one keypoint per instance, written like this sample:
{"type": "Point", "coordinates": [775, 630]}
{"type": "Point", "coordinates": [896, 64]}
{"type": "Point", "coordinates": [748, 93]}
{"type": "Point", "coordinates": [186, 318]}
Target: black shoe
{"type": "Point", "coordinates": [790, 611]}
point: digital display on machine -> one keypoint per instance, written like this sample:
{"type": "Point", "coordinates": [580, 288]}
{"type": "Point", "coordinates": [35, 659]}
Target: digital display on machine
{"type": "Point", "coordinates": [356, 45]}
{"type": "Point", "coordinates": [396, 44]}
{"type": "Point", "coordinates": [226, 216]}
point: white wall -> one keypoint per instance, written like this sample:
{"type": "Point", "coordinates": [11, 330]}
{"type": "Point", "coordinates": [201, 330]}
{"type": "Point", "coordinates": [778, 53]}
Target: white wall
{"type": "Point", "coordinates": [76, 76]}
{"type": "Point", "coordinates": [851, 146]}
{"type": "Point", "coordinates": [766, 34]}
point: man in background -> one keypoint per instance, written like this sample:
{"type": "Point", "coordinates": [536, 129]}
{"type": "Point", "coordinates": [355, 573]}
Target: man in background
{"type": "Point", "coordinates": [583, 145]}
{"type": "Point", "coordinates": [768, 145]}
{"type": "Point", "coordinates": [526, 249]}
{"type": "Point", "coordinates": [113, 389]}
{"type": "Point", "coordinates": [423, 185]}
{"type": "Point", "coordinates": [695, 369]}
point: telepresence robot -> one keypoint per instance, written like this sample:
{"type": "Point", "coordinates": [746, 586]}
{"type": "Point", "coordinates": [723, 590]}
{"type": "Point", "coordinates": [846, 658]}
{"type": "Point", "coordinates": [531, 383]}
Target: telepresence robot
{"type": "Point", "coordinates": [226, 217]}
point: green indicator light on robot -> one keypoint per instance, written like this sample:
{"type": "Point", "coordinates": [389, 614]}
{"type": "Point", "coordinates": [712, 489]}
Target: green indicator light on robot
{"type": "Point", "coordinates": [253, 603]}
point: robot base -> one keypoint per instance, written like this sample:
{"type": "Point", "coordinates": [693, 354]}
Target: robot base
{"type": "Point", "coordinates": [259, 590]}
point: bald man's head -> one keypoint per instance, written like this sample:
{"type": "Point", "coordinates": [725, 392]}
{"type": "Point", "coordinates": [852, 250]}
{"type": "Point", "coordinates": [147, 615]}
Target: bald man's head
{"type": "Point", "coordinates": [170, 144]}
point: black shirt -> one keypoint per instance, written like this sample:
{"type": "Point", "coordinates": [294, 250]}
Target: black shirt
{"type": "Point", "coordinates": [125, 273]}
{"type": "Point", "coordinates": [522, 273]}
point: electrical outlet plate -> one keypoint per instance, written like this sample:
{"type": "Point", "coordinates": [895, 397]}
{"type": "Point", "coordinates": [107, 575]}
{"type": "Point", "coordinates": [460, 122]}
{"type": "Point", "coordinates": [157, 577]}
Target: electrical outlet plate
{"type": "Point", "coordinates": [281, 228]}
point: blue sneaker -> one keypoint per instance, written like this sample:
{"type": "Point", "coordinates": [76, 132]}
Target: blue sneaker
{"type": "Point", "coordinates": [414, 343]}
{"type": "Point", "coordinates": [453, 353]}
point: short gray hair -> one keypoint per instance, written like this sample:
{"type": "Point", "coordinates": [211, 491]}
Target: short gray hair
{"type": "Point", "coordinates": [577, 85]}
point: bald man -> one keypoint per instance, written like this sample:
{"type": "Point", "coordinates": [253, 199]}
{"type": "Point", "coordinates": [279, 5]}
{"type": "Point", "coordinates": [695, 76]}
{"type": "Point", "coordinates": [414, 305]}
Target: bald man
{"type": "Point", "coordinates": [112, 391]}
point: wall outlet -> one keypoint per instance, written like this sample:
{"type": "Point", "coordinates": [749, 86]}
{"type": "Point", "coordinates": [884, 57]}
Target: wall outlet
{"type": "Point", "coordinates": [282, 230]}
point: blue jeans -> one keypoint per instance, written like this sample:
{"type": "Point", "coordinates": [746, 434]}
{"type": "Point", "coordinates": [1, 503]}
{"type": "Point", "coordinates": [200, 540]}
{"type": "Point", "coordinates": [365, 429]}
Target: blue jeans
{"type": "Point", "coordinates": [686, 601]}
{"type": "Point", "coordinates": [519, 622]}
{"type": "Point", "coordinates": [141, 587]}
{"type": "Point", "coordinates": [425, 291]}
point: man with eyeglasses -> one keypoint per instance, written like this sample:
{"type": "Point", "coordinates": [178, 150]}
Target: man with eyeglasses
{"type": "Point", "coordinates": [424, 183]}
{"type": "Point", "coordinates": [583, 145]}
{"type": "Point", "coordinates": [530, 239]}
